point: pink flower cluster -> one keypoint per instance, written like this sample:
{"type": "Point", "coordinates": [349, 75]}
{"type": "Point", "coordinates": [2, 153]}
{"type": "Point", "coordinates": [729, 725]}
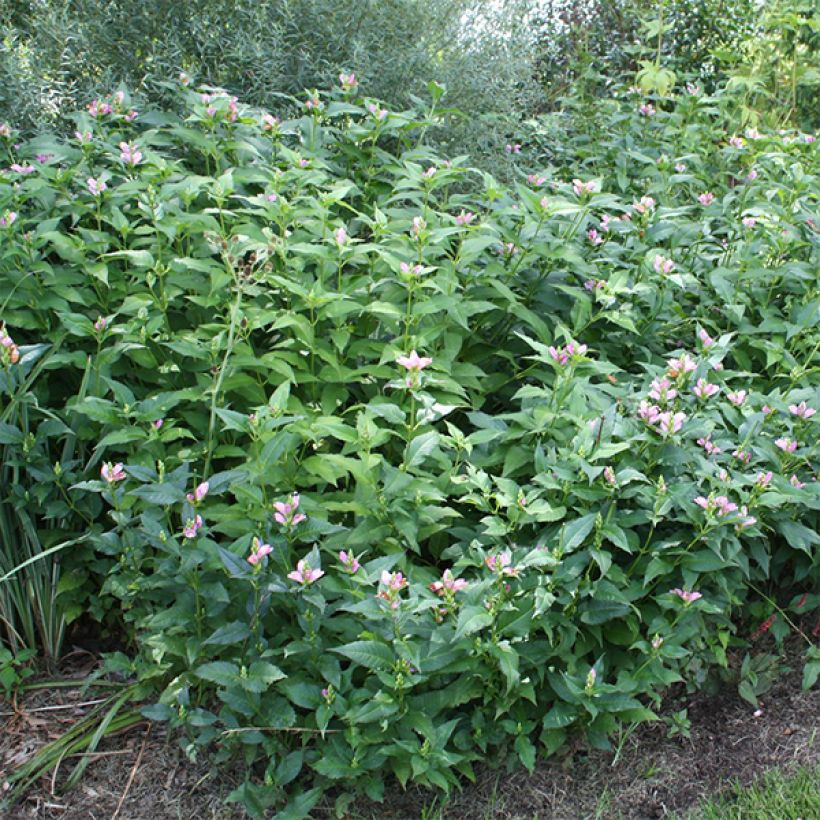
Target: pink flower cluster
{"type": "Point", "coordinates": [645, 205]}
{"type": "Point", "coordinates": [704, 390]}
{"type": "Point", "coordinates": [130, 154]}
{"type": "Point", "coordinates": [500, 564]}
{"type": "Point", "coordinates": [562, 355]}
{"type": "Point", "coordinates": [285, 512]}
{"type": "Point", "coordinates": [706, 198]}
{"type": "Point", "coordinates": [112, 473]}
{"type": "Point", "coordinates": [391, 584]}
{"type": "Point", "coordinates": [686, 596]}
{"type": "Point", "coordinates": [448, 584]}
{"type": "Point", "coordinates": [737, 397]}
{"type": "Point", "coordinates": [663, 265]}
{"type": "Point", "coordinates": [350, 562]}
{"type": "Point", "coordinates": [646, 110]}
{"type": "Point", "coordinates": [200, 491]}
{"type": "Point", "coordinates": [304, 574]}
{"type": "Point", "coordinates": [8, 219]}
{"type": "Point", "coordinates": [786, 444]}
{"type": "Point", "coordinates": [581, 188]}
{"type": "Point", "coordinates": [193, 526]}
{"type": "Point", "coordinates": [708, 445]}
{"type": "Point", "coordinates": [720, 504]}
{"type": "Point", "coordinates": [802, 410]}
{"type": "Point", "coordinates": [258, 551]}
{"type": "Point", "coordinates": [9, 352]}
{"type": "Point", "coordinates": [662, 391]}
{"type": "Point", "coordinates": [348, 81]}
{"type": "Point", "coordinates": [96, 186]}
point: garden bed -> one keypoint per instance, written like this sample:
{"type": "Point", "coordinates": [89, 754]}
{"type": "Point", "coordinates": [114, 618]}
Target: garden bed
{"type": "Point", "coordinates": [144, 774]}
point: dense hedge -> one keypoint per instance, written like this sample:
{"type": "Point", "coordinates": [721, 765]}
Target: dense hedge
{"type": "Point", "coordinates": [382, 466]}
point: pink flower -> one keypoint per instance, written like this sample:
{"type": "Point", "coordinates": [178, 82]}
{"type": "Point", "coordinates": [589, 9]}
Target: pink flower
{"type": "Point", "coordinates": [746, 519]}
{"type": "Point", "coordinates": [766, 410]}
{"type": "Point", "coordinates": [706, 199]}
{"type": "Point", "coordinates": [448, 584]}
{"type": "Point", "coordinates": [753, 134]}
{"type": "Point", "coordinates": [609, 476]}
{"type": "Point", "coordinates": [286, 512]}
{"type": "Point", "coordinates": [535, 180]}
{"type": "Point", "coordinates": [465, 218]}
{"type": "Point", "coordinates": [269, 122]}
{"type": "Point", "coordinates": [749, 222]}
{"type": "Point", "coordinates": [705, 338]}
{"type": "Point", "coordinates": [313, 103]}
{"type": "Point", "coordinates": [763, 479]}
{"type": "Point", "coordinates": [737, 397]}
{"type": "Point", "coordinates": [348, 81]}
{"type": "Point", "coordinates": [378, 113]}
{"type": "Point", "coordinates": [415, 270]}
{"type": "Point", "coordinates": [22, 169]}
{"type": "Point", "coordinates": [5, 129]}
{"type": "Point", "coordinates": [796, 482]}
{"type": "Point", "coordinates": [685, 596]}
{"type": "Point", "coordinates": [701, 501]}
{"type": "Point", "coordinates": [737, 142]}
{"type": "Point", "coordinates": [808, 138]}
{"type": "Point", "coordinates": [663, 265]}
{"type": "Point", "coordinates": [341, 237]}
{"type": "Point", "coordinates": [430, 172]}
{"type": "Point", "coordinates": [646, 110]}
{"type": "Point", "coordinates": [743, 456]}
{"type": "Point", "coordinates": [418, 226]}
{"type": "Point", "coordinates": [680, 167]}
{"type": "Point", "coordinates": [583, 187]}
{"type": "Point", "coordinates": [82, 136]}
{"type": "Point", "coordinates": [258, 551]}
{"type": "Point", "coordinates": [500, 563]}
{"type": "Point", "coordinates": [414, 363]}
{"type": "Point", "coordinates": [101, 324]}
{"type": "Point", "coordinates": [112, 473]}
{"type": "Point", "coordinates": [751, 176]}
{"type": "Point", "coordinates": [645, 205]}
{"type": "Point", "coordinates": [11, 353]}
{"type": "Point", "coordinates": [130, 154]}
{"type": "Point", "coordinates": [662, 390]}
{"type": "Point", "coordinates": [192, 527]}
{"type": "Point", "coordinates": [96, 186]}
{"type": "Point", "coordinates": [605, 222]}
{"type": "Point", "coordinates": [704, 390]}
{"type": "Point", "coordinates": [802, 410]}
{"type": "Point", "coordinates": [304, 574]}
{"type": "Point", "coordinates": [708, 445]}
{"type": "Point", "coordinates": [350, 562]}
{"type": "Point", "coordinates": [786, 445]}
{"type": "Point", "coordinates": [392, 584]}
{"type": "Point", "coordinates": [670, 422]}
{"type": "Point", "coordinates": [724, 506]}
{"type": "Point", "coordinates": [8, 219]}
{"type": "Point", "coordinates": [649, 412]}
{"type": "Point", "coordinates": [131, 116]}
{"type": "Point", "coordinates": [692, 89]}
{"type": "Point", "coordinates": [511, 148]}
{"type": "Point", "coordinates": [594, 237]}
{"type": "Point", "coordinates": [157, 424]}
{"type": "Point", "coordinates": [200, 491]}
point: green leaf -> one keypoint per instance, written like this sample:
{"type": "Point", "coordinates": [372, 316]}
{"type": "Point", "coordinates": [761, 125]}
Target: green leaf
{"type": "Point", "coordinates": [370, 654]}
{"type": "Point", "coordinates": [421, 447]}
{"type": "Point", "coordinates": [222, 673]}
{"type": "Point", "coordinates": [471, 619]}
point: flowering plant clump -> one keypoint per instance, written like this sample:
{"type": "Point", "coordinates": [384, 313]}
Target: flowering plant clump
{"type": "Point", "coordinates": [351, 437]}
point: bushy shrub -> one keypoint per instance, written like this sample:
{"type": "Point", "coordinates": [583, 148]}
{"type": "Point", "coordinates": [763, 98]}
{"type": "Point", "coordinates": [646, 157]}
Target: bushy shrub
{"type": "Point", "coordinates": [388, 467]}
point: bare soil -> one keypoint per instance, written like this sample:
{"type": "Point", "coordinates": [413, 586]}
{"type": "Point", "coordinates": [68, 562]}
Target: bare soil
{"type": "Point", "coordinates": [143, 772]}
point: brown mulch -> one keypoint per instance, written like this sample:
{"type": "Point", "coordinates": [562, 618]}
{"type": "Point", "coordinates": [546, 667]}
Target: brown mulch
{"type": "Point", "coordinates": [143, 773]}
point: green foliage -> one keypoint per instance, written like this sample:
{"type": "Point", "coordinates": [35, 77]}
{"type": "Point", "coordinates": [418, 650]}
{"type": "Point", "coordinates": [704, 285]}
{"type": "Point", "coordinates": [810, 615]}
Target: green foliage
{"type": "Point", "coordinates": [387, 467]}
